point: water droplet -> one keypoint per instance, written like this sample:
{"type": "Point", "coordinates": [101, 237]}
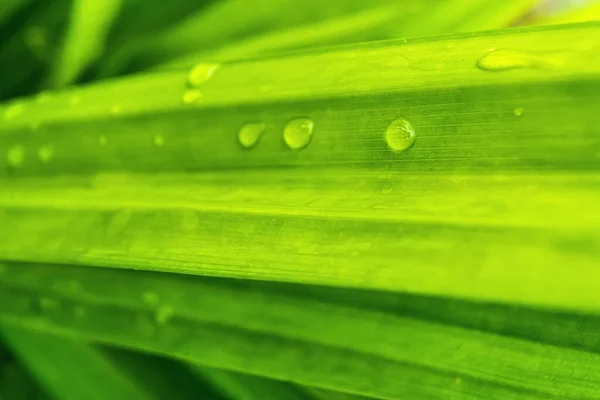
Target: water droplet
{"type": "Point", "coordinates": [45, 153]}
{"type": "Point", "coordinates": [191, 96]}
{"type": "Point", "coordinates": [201, 73]}
{"type": "Point", "coordinates": [15, 156]}
{"type": "Point", "coordinates": [150, 298]}
{"type": "Point", "coordinates": [250, 134]}
{"type": "Point", "coordinates": [163, 314]}
{"type": "Point", "coordinates": [13, 111]}
{"type": "Point", "coordinates": [116, 109]}
{"type": "Point", "coordinates": [503, 59]}
{"type": "Point", "coordinates": [74, 100]}
{"type": "Point", "coordinates": [400, 135]}
{"type": "Point", "coordinates": [298, 133]}
{"type": "Point", "coordinates": [159, 140]}
{"type": "Point", "coordinates": [458, 380]}
{"type": "Point", "coordinates": [518, 111]}
{"type": "Point", "coordinates": [48, 303]}
{"type": "Point", "coordinates": [79, 311]}
{"type": "Point", "coordinates": [102, 140]}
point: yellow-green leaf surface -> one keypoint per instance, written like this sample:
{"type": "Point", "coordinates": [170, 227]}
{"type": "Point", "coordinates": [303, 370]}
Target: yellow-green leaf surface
{"type": "Point", "coordinates": [314, 336]}
{"type": "Point", "coordinates": [498, 193]}
{"type": "Point", "coordinates": [587, 12]}
{"type": "Point", "coordinates": [83, 42]}
{"type": "Point", "coordinates": [156, 183]}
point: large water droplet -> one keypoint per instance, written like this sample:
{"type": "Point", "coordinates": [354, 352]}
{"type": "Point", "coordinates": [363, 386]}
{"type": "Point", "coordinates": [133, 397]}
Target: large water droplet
{"type": "Point", "coordinates": [250, 134]}
{"type": "Point", "coordinates": [15, 156]}
{"type": "Point", "coordinates": [201, 73]}
{"type": "Point", "coordinates": [45, 153]}
{"type": "Point", "coordinates": [504, 59]}
{"type": "Point", "coordinates": [191, 96]}
{"type": "Point", "coordinates": [298, 133]}
{"type": "Point", "coordinates": [400, 135]}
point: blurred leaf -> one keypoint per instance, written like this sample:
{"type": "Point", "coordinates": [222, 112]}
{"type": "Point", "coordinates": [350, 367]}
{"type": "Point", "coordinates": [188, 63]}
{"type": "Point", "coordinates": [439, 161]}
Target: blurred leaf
{"type": "Point", "coordinates": [17, 384]}
{"type": "Point", "coordinates": [302, 336]}
{"type": "Point", "coordinates": [163, 377]}
{"type": "Point", "coordinates": [26, 52]}
{"type": "Point", "coordinates": [589, 12]}
{"type": "Point", "coordinates": [83, 42]}
{"type": "Point", "coordinates": [245, 387]}
{"type": "Point", "coordinates": [9, 7]}
{"type": "Point", "coordinates": [205, 31]}
{"type": "Point", "coordinates": [130, 174]}
{"type": "Point", "coordinates": [69, 369]}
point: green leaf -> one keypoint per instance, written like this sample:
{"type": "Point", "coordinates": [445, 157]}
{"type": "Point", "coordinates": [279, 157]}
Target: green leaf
{"type": "Point", "coordinates": [126, 174]}
{"type": "Point", "coordinates": [305, 335]}
{"type": "Point", "coordinates": [245, 387]}
{"type": "Point", "coordinates": [83, 42]}
{"type": "Point", "coordinates": [68, 369]}
{"type": "Point", "coordinates": [17, 384]}
{"type": "Point", "coordinates": [28, 48]}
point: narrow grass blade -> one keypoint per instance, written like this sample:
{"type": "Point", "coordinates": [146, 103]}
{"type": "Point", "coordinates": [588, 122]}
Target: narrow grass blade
{"type": "Point", "coordinates": [235, 386]}
{"type": "Point", "coordinates": [377, 23]}
{"type": "Point", "coordinates": [127, 174]}
{"type": "Point", "coordinates": [84, 39]}
{"type": "Point", "coordinates": [69, 370]}
{"type": "Point", "coordinates": [205, 31]}
{"type": "Point", "coordinates": [256, 328]}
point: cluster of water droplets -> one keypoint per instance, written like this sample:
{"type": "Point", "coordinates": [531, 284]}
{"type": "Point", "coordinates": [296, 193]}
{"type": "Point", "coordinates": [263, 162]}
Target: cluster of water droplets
{"type": "Point", "coordinates": [197, 77]}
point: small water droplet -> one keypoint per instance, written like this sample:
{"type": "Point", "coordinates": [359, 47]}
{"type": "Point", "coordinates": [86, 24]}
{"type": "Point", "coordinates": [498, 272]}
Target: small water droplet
{"type": "Point", "coordinates": [163, 314]}
{"type": "Point", "coordinates": [150, 298]}
{"type": "Point", "coordinates": [159, 140]}
{"type": "Point", "coordinates": [400, 135]}
{"type": "Point", "coordinates": [191, 96]}
{"type": "Point", "coordinates": [116, 109]}
{"type": "Point", "coordinates": [250, 134]}
{"type": "Point", "coordinates": [458, 380]}
{"type": "Point", "coordinates": [79, 311]}
{"type": "Point", "coordinates": [504, 59]}
{"type": "Point", "coordinates": [48, 303]}
{"type": "Point", "coordinates": [13, 111]}
{"type": "Point", "coordinates": [15, 156]}
{"type": "Point", "coordinates": [74, 100]}
{"type": "Point", "coordinates": [298, 133]}
{"type": "Point", "coordinates": [201, 73]}
{"type": "Point", "coordinates": [518, 111]}
{"type": "Point", "coordinates": [45, 153]}
{"type": "Point", "coordinates": [102, 140]}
